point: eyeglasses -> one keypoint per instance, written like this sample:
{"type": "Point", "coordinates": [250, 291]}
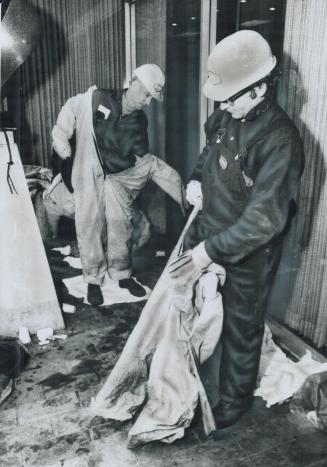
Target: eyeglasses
{"type": "Point", "coordinates": [159, 88]}
{"type": "Point", "coordinates": [232, 99]}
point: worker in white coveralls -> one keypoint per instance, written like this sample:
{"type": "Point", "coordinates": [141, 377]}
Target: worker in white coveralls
{"type": "Point", "coordinates": [247, 177]}
{"type": "Point", "coordinates": [111, 165]}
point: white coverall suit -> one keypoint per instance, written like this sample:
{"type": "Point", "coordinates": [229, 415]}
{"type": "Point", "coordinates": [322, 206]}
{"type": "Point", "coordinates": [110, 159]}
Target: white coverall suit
{"type": "Point", "coordinates": [103, 203]}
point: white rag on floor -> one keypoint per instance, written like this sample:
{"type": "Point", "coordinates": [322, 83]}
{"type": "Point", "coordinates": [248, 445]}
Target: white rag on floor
{"type": "Point", "coordinates": [111, 291]}
{"type": "Point", "coordinates": [282, 377]}
{"type": "Point", "coordinates": [64, 250]}
{"type": "Point", "coordinates": [73, 262]}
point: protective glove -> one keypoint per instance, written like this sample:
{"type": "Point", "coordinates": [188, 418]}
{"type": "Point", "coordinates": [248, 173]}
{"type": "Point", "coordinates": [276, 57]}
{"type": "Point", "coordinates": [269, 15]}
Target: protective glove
{"type": "Point", "coordinates": [200, 257]}
{"type": "Point", "coordinates": [194, 192]}
{"type": "Point", "coordinates": [202, 261]}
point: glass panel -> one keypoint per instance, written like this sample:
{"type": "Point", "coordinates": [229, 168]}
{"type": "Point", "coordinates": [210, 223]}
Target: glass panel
{"type": "Point", "coordinates": [226, 18]}
{"type": "Point", "coordinates": [263, 16]}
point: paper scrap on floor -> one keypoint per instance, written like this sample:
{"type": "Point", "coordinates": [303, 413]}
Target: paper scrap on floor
{"type": "Point", "coordinates": [64, 250]}
{"type": "Point", "coordinates": [73, 262]}
{"type": "Point", "coordinates": [282, 377]}
{"type": "Point", "coordinates": [111, 291]}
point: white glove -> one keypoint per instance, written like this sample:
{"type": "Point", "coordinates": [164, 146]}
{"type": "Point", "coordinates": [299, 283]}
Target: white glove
{"type": "Point", "coordinates": [200, 257]}
{"type": "Point", "coordinates": [202, 260]}
{"type": "Point", "coordinates": [194, 192]}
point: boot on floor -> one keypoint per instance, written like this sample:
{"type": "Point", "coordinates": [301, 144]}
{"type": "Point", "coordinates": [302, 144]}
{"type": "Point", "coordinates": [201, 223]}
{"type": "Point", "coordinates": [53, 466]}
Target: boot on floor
{"type": "Point", "coordinates": [132, 286]}
{"type": "Point", "coordinates": [94, 294]}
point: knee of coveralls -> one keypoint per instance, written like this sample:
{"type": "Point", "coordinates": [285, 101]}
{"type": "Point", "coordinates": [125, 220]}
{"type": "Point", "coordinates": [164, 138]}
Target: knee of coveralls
{"type": "Point", "coordinates": [245, 296]}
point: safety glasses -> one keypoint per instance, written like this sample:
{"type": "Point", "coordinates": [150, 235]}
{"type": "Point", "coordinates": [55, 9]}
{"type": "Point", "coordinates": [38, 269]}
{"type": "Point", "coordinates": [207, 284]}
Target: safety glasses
{"type": "Point", "coordinates": [159, 89]}
{"type": "Point", "coordinates": [232, 99]}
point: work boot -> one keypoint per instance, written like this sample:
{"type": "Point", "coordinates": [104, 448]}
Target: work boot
{"type": "Point", "coordinates": [132, 286]}
{"type": "Point", "coordinates": [227, 414]}
{"type": "Point", "coordinates": [94, 294]}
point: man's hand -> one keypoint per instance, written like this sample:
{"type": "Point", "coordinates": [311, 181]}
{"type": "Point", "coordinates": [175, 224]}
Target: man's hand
{"type": "Point", "coordinates": [194, 192]}
{"type": "Point", "coordinates": [200, 257]}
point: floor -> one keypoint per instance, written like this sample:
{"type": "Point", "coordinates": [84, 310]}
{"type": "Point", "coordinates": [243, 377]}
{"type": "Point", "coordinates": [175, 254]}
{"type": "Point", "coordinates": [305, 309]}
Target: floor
{"type": "Point", "coordinates": [46, 422]}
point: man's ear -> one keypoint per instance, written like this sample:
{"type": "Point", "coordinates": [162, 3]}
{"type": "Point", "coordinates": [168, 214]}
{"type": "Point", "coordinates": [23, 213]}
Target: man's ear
{"type": "Point", "coordinates": [261, 89]}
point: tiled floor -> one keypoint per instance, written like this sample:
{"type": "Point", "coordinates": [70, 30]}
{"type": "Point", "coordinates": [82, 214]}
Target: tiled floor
{"type": "Point", "coordinates": [46, 421]}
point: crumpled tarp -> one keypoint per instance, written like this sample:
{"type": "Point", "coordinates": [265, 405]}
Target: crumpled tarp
{"type": "Point", "coordinates": [159, 364]}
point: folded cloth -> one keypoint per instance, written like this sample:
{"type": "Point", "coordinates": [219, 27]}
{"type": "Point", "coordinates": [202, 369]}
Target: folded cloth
{"type": "Point", "coordinates": [111, 291]}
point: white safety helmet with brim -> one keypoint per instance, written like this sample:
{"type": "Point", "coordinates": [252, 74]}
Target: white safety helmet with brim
{"type": "Point", "coordinates": [152, 78]}
{"type": "Point", "coordinates": [236, 62]}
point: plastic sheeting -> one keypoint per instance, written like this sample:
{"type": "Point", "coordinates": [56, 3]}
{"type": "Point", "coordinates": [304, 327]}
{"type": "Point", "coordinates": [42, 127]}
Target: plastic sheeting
{"type": "Point", "coordinates": [158, 369]}
{"type": "Point", "coordinates": [27, 293]}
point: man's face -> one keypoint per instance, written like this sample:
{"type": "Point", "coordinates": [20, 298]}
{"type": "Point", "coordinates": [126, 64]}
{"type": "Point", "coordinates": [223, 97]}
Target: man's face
{"type": "Point", "coordinates": [241, 106]}
{"type": "Point", "coordinates": [138, 96]}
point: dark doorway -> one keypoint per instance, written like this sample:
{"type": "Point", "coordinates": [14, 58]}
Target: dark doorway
{"type": "Point", "coordinates": [264, 16]}
{"type": "Point", "coordinates": [182, 92]}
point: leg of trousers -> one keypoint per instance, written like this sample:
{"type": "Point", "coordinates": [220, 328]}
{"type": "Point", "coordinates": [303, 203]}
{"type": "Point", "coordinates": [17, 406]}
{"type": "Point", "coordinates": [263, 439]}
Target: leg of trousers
{"type": "Point", "coordinates": [120, 191]}
{"type": "Point", "coordinates": [91, 228]}
{"type": "Point", "coordinates": [104, 213]}
{"type": "Point", "coordinates": [118, 214]}
{"type": "Point", "coordinates": [245, 296]}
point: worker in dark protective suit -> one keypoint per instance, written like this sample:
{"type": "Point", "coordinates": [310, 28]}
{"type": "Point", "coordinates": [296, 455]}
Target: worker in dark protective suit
{"type": "Point", "coordinates": [112, 164]}
{"type": "Point", "coordinates": [247, 177]}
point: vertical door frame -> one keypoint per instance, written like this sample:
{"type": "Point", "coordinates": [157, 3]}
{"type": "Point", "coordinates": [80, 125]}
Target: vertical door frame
{"type": "Point", "coordinates": [130, 41]}
{"type": "Point", "coordinates": [207, 42]}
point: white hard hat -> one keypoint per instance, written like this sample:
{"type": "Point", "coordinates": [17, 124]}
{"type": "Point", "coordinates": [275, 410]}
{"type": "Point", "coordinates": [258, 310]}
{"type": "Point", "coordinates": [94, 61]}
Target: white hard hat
{"type": "Point", "coordinates": [236, 62]}
{"type": "Point", "coordinates": [153, 79]}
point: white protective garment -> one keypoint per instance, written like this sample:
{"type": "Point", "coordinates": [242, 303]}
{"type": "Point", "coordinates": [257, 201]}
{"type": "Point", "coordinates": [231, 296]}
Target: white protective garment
{"type": "Point", "coordinates": [103, 205]}
{"type": "Point", "coordinates": [161, 359]}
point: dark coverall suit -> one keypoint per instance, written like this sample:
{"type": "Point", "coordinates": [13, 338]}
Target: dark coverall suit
{"type": "Point", "coordinates": [249, 172]}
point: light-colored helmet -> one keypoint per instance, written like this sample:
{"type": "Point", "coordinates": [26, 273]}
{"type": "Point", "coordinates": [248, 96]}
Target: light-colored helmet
{"type": "Point", "coordinates": [236, 62]}
{"type": "Point", "coordinates": [153, 79]}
